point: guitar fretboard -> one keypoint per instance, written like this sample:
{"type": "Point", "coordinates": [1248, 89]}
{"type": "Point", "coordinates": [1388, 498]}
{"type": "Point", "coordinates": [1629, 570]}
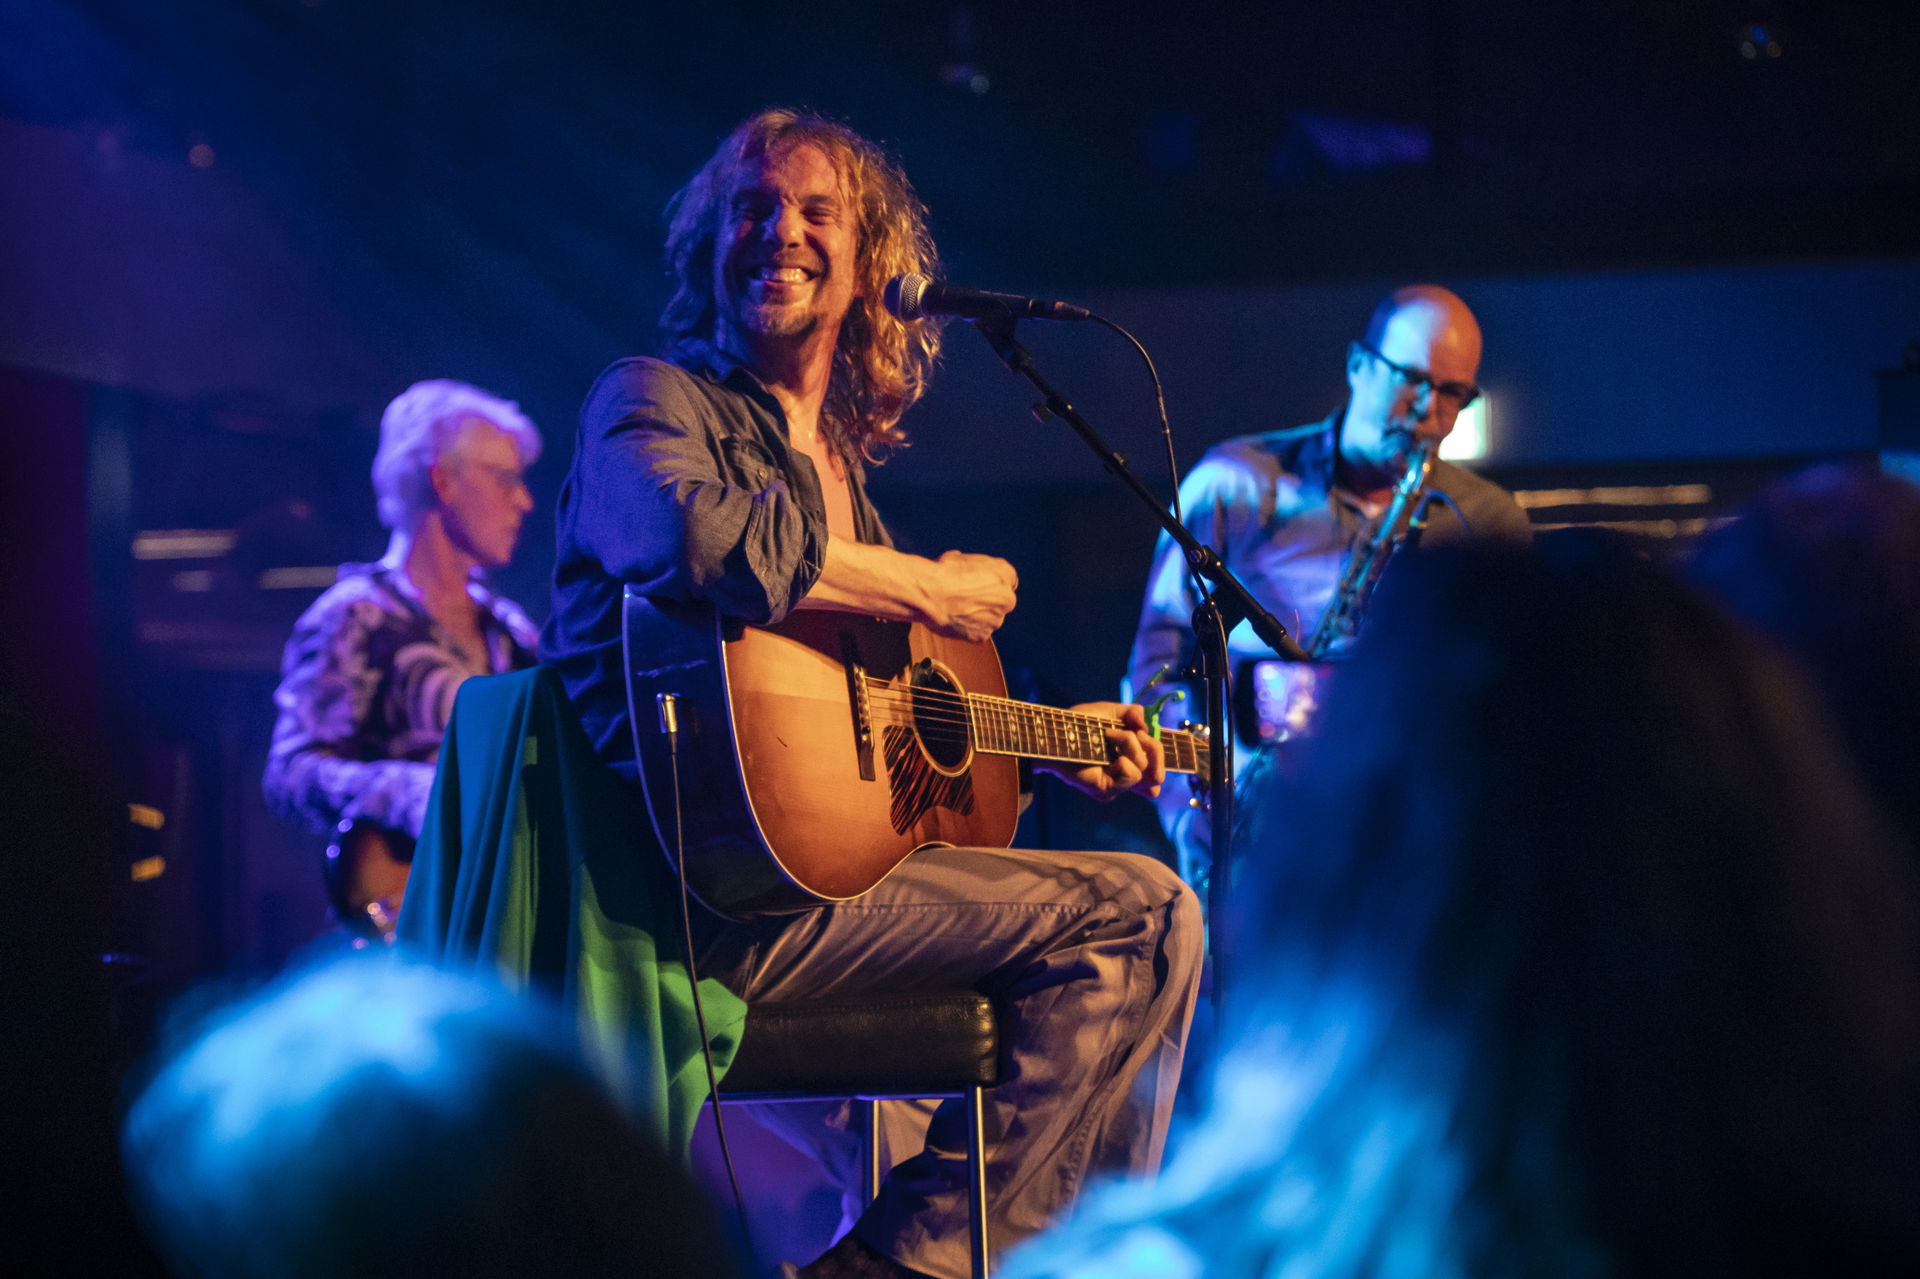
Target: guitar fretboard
{"type": "Point", "coordinates": [1005, 727]}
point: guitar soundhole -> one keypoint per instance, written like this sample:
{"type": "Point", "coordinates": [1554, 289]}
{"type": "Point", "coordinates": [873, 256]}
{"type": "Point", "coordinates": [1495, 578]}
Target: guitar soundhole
{"type": "Point", "coordinates": [940, 717]}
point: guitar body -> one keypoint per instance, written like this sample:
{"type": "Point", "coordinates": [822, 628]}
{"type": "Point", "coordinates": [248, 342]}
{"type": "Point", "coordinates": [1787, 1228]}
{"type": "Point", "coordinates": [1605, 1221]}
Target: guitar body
{"type": "Point", "coordinates": [813, 756]}
{"type": "Point", "coordinates": [365, 872]}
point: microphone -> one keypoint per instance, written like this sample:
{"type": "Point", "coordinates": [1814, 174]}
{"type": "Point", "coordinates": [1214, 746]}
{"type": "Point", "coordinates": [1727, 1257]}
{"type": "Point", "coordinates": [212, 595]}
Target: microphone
{"type": "Point", "coordinates": [914, 297]}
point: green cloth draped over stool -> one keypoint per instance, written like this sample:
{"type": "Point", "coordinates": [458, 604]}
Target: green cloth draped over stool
{"type": "Point", "coordinates": [538, 861]}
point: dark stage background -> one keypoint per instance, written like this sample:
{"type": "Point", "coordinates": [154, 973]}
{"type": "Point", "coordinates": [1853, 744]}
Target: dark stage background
{"type": "Point", "coordinates": [231, 230]}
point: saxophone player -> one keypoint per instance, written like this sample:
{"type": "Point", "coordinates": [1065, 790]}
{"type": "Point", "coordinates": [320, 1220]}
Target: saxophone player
{"type": "Point", "coordinates": [1288, 509]}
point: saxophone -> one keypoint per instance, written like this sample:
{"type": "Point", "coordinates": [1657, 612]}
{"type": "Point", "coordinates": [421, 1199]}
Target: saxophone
{"type": "Point", "coordinates": [1370, 555]}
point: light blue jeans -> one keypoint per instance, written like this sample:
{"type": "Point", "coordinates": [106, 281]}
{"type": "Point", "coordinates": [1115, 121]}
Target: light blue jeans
{"type": "Point", "coordinates": [1093, 960]}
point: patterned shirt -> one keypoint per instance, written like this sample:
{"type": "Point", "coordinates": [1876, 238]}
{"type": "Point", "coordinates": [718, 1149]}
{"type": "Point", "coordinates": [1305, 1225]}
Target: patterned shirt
{"type": "Point", "coordinates": [366, 686]}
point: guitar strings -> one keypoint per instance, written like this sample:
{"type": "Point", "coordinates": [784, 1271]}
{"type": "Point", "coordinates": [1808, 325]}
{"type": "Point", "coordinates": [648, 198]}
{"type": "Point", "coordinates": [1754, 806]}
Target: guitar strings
{"type": "Point", "coordinates": [926, 711]}
{"type": "Point", "coordinates": [986, 701]}
{"type": "Point", "coordinates": [1182, 753]}
{"type": "Point", "coordinates": [935, 706]}
{"type": "Point", "coordinates": [949, 707]}
{"type": "Point", "coordinates": [941, 706]}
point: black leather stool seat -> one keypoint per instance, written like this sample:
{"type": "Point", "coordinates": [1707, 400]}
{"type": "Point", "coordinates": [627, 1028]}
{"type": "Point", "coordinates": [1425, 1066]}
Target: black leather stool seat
{"type": "Point", "coordinates": [908, 1045]}
{"type": "Point", "coordinates": [939, 1044]}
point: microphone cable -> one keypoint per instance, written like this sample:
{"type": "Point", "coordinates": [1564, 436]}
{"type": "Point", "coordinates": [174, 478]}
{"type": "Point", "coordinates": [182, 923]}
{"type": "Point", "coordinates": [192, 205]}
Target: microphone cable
{"type": "Point", "coordinates": [1160, 404]}
{"type": "Point", "coordinates": [1201, 589]}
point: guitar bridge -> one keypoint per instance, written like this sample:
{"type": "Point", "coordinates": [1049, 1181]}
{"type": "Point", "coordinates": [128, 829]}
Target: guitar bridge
{"type": "Point", "coordinates": [857, 701]}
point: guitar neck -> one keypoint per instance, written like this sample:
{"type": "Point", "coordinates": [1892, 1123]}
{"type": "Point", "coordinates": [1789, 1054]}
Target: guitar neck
{"type": "Point", "coordinates": [1002, 726]}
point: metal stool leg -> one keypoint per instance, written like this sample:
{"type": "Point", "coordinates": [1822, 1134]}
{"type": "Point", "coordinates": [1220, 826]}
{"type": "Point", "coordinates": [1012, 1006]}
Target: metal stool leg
{"type": "Point", "coordinates": [977, 1178]}
{"type": "Point", "coordinates": [871, 1181]}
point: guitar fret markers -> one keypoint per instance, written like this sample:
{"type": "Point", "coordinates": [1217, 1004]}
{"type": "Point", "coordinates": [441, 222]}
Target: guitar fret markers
{"type": "Point", "coordinates": [1003, 727]}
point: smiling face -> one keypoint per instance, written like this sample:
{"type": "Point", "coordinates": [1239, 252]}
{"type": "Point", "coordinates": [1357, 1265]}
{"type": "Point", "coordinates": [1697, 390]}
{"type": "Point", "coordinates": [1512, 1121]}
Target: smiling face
{"type": "Point", "coordinates": [482, 491]}
{"type": "Point", "coordinates": [1433, 334]}
{"type": "Point", "coordinates": [785, 257]}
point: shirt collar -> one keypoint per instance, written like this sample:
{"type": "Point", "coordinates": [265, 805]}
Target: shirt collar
{"type": "Point", "coordinates": [1323, 454]}
{"type": "Point", "coordinates": [714, 362]}
{"type": "Point", "coordinates": [1319, 450]}
{"type": "Point", "coordinates": [393, 576]}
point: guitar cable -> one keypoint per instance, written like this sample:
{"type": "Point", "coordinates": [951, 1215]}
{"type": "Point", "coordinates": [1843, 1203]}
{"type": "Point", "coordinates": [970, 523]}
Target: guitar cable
{"type": "Point", "coordinates": [667, 704]}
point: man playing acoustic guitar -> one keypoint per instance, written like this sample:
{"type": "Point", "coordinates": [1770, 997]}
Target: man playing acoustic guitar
{"type": "Point", "coordinates": [729, 477]}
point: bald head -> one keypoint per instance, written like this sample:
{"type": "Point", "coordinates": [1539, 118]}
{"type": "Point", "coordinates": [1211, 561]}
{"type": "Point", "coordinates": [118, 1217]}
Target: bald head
{"type": "Point", "coordinates": [1408, 379]}
{"type": "Point", "coordinates": [1428, 314]}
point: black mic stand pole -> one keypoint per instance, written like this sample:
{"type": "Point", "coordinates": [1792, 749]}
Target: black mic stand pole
{"type": "Point", "coordinates": [1226, 605]}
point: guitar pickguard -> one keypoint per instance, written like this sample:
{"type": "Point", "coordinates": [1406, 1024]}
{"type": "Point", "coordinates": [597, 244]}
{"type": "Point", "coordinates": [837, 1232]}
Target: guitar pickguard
{"type": "Point", "coordinates": [917, 787]}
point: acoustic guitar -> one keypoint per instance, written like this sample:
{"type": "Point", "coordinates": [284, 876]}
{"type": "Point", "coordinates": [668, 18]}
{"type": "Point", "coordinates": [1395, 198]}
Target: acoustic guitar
{"type": "Point", "coordinates": [808, 759]}
{"type": "Point", "coordinates": [365, 872]}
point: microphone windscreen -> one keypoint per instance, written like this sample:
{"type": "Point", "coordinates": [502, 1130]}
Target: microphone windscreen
{"type": "Point", "coordinates": [903, 295]}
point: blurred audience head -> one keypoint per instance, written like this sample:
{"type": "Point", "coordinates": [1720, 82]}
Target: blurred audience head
{"type": "Point", "coordinates": [381, 1118]}
{"type": "Point", "coordinates": [1572, 947]}
{"type": "Point", "coordinates": [1827, 565]}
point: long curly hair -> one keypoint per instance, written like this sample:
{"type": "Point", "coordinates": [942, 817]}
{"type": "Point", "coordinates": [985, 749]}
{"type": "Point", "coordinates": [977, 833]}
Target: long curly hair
{"type": "Point", "coordinates": [880, 365]}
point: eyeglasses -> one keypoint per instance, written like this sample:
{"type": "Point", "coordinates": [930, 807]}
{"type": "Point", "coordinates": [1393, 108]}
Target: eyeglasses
{"type": "Point", "coordinates": [510, 478]}
{"type": "Point", "coordinates": [1456, 395]}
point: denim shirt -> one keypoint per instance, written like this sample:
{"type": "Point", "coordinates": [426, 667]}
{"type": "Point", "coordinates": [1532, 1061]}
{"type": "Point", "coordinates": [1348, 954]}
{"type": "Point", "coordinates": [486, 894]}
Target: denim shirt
{"type": "Point", "coordinates": [684, 484]}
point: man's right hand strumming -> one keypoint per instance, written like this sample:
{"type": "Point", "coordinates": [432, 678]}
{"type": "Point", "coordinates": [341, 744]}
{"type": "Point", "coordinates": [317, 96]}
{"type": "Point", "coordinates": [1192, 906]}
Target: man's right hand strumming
{"type": "Point", "coordinates": [971, 595]}
{"type": "Point", "coordinates": [961, 595]}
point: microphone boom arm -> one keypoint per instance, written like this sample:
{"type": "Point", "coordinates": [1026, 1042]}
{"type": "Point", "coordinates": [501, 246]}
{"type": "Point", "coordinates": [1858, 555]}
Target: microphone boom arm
{"type": "Point", "coordinates": [1226, 605]}
{"type": "Point", "coordinates": [1234, 601]}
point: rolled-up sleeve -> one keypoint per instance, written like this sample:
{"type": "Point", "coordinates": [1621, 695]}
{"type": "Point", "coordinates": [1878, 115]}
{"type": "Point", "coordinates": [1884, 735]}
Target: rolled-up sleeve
{"type": "Point", "coordinates": [685, 505]}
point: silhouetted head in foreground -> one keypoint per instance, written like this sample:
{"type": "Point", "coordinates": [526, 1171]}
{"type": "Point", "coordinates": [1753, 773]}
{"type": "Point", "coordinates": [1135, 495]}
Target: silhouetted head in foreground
{"type": "Point", "coordinates": [378, 1118]}
{"type": "Point", "coordinates": [1827, 564]}
{"type": "Point", "coordinates": [1573, 949]}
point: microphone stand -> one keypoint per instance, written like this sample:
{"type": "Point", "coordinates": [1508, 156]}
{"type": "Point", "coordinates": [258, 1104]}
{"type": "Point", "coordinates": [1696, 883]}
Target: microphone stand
{"type": "Point", "coordinates": [1225, 606]}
